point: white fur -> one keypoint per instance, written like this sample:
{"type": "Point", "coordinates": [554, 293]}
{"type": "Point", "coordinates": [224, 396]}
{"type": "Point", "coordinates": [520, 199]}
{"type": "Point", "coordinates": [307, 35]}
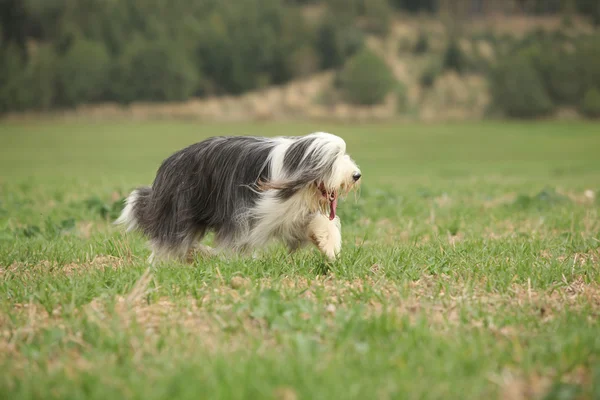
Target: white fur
{"type": "Point", "coordinates": [127, 216]}
{"type": "Point", "coordinates": [326, 235]}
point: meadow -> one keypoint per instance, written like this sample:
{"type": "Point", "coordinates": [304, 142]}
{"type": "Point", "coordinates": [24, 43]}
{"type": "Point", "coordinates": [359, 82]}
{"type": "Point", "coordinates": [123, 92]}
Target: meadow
{"type": "Point", "coordinates": [470, 269]}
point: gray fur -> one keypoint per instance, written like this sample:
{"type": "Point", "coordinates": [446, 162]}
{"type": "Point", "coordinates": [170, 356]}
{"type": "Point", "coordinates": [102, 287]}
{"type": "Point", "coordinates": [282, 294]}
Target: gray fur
{"type": "Point", "coordinates": [211, 186]}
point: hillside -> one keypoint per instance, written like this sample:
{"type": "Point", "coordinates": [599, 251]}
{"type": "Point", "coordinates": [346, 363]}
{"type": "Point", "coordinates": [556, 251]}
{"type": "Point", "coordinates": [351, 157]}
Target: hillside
{"type": "Point", "coordinates": [415, 49]}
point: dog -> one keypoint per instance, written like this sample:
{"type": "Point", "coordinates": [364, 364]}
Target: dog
{"type": "Point", "coordinates": [247, 190]}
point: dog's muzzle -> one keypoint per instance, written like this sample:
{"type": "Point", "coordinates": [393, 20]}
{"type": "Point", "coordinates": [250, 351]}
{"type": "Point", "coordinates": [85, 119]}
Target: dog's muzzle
{"type": "Point", "coordinates": [356, 176]}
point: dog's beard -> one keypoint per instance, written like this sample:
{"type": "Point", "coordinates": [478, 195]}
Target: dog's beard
{"type": "Point", "coordinates": [329, 201]}
{"type": "Point", "coordinates": [326, 198]}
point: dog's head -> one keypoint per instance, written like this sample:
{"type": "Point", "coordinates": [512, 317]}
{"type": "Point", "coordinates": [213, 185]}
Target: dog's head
{"type": "Point", "coordinates": [315, 167]}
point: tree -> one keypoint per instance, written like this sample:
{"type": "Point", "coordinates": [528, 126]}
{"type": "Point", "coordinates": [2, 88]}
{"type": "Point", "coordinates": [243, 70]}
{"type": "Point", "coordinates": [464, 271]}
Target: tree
{"type": "Point", "coordinates": [517, 89]}
{"type": "Point", "coordinates": [83, 73]}
{"type": "Point", "coordinates": [366, 79]}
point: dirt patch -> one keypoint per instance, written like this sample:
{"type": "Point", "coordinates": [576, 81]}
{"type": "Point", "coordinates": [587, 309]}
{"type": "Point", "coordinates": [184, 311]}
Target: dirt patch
{"type": "Point", "coordinates": [427, 297]}
{"type": "Point", "coordinates": [514, 385]}
{"type": "Point", "coordinates": [144, 322]}
{"type": "Point", "coordinates": [592, 256]}
{"type": "Point", "coordinates": [99, 262]}
{"type": "Point", "coordinates": [285, 393]}
{"type": "Point", "coordinates": [52, 267]}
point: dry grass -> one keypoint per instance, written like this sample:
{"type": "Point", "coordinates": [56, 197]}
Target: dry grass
{"type": "Point", "coordinates": [52, 267]}
{"type": "Point", "coordinates": [437, 298]}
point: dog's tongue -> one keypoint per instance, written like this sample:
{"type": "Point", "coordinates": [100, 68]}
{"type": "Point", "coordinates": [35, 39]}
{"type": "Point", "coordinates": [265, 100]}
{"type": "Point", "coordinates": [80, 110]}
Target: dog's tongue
{"type": "Point", "coordinates": [332, 207]}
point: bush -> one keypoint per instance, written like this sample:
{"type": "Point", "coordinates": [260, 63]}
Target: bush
{"type": "Point", "coordinates": [401, 96]}
{"type": "Point", "coordinates": [345, 9]}
{"type": "Point", "coordinates": [430, 74]}
{"type": "Point", "coordinates": [337, 40]}
{"type": "Point", "coordinates": [27, 85]}
{"type": "Point", "coordinates": [366, 79]}
{"type": "Point", "coordinates": [517, 90]}
{"type": "Point", "coordinates": [589, 8]}
{"type": "Point", "coordinates": [565, 67]}
{"type": "Point", "coordinates": [248, 44]}
{"type": "Point", "coordinates": [559, 71]}
{"type": "Point", "coordinates": [405, 45]}
{"type": "Point", "coordinates": [83, 73]}
{"type": "Point", "coordinates": [154, 72]}
{"type": "Point", "coordinates": [415, 6]}
{"type": "Point", "coordinates": [303, 61]}
{"type": "Point", "coordinates": [588, 61]}
{"type": "Point", "coordinates": [454, 59]}
{"type": "Point", "coordinates": [565, 72]}
{"type": "Point", "coordinates": [14, 94]}
{"type": "Point", "coordinates": [378, 14]}
{"type": "Point", "coordinates": [42, 72]}
{"type": "Point", "coordinates": [487, 36]}
{"type": "Point", "coordinates": [505, 45]}
{"type": "Point", "coordinates": [294, 53]}
{"type": "Point", "coordinates": [590, 106]}
{"type": "Point", "coordinates": [422, 44]}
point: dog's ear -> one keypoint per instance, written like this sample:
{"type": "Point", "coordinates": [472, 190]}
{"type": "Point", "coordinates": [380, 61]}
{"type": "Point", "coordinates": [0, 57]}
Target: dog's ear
{"type": "Point", "coordinates": [288, 188]}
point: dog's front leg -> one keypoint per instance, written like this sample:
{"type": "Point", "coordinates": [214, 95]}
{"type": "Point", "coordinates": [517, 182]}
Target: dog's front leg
{"type": "Point", "coordinates": [326, 235]}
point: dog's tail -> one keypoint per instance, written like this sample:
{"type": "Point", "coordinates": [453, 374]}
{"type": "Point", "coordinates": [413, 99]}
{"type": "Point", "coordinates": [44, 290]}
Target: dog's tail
{"type": "Point", "coordinates": [135, 204]}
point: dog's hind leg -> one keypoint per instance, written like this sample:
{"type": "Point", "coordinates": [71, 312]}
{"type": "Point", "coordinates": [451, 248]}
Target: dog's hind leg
{"type": "Point", "coordinates": [197, 248]}
{"type": "Point", "coordinates": [165, 252]}
{"type": "Point", "coordinates": [326, 235]}
{"type": "Point", "coordinates": [178, 249]}
{"type": "Point", "coordinates": [201, 250]}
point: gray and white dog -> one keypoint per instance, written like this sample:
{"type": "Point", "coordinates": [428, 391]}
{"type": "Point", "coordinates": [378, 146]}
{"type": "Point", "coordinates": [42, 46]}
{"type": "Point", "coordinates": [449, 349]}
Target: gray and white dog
{"type": "Point", "coordinates": [247, 190]}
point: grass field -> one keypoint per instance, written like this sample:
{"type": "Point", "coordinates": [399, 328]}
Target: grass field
{"type": "Point", "coordinates": [470, 269]}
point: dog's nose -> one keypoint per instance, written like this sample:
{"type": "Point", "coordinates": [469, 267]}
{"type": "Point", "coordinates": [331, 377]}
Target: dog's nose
{"type": "Point", "coordinates": [356, 176]}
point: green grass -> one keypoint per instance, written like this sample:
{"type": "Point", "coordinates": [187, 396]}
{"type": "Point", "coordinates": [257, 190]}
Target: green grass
{"type": "Point", "coordinates": [470, 269]}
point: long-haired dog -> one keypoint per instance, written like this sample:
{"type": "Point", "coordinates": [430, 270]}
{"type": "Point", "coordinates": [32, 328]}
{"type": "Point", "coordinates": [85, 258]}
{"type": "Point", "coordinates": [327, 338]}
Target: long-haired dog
{"type": "Point", "coordinates": [247, 190]}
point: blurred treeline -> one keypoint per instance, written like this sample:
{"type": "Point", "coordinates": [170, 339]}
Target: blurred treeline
{"type": "Point", "coordinates": [62, 53]}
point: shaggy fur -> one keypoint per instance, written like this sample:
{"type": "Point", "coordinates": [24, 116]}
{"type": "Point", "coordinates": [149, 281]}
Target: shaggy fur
{"type": "Point", "coordinates": [248, 190]}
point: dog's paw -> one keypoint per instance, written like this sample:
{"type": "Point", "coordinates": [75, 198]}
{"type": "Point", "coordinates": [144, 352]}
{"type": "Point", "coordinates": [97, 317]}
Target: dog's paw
{"type": "Point", "coordinates": [326, 236]}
